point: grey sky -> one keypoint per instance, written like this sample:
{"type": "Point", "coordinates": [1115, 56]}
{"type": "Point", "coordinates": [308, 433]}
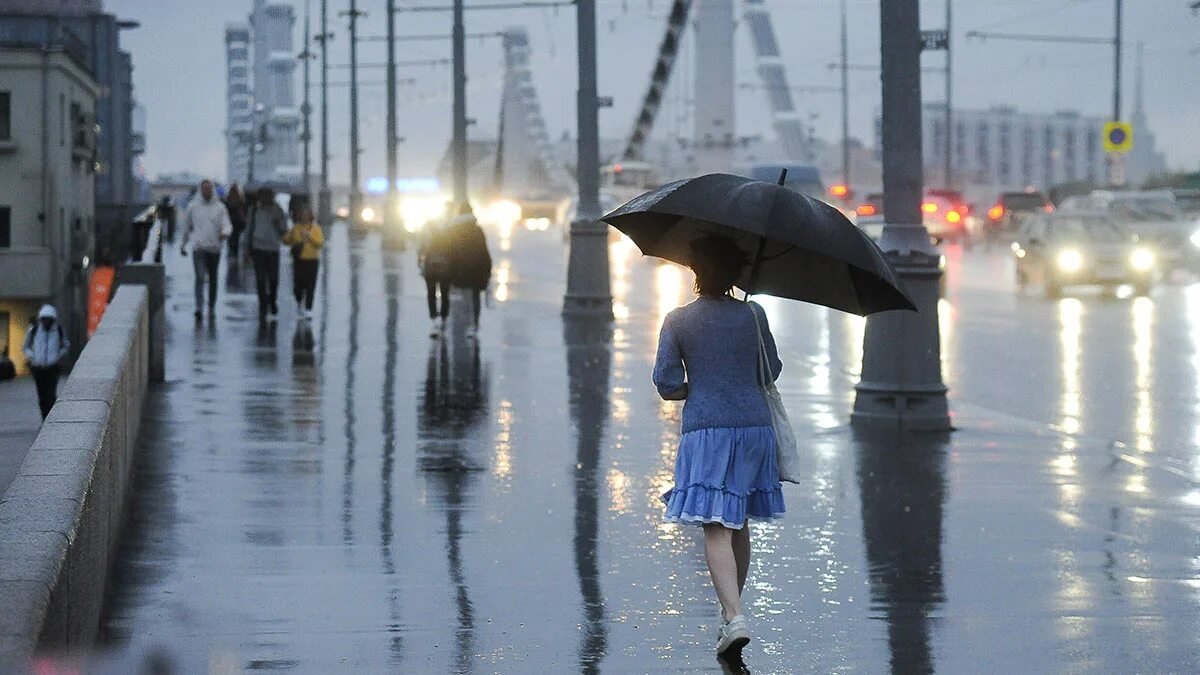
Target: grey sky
{"type": "Point", "coordinates": [180, 77]}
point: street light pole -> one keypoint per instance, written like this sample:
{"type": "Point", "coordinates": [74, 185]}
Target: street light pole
{"type": "Point", "coordinates": [390, 206]}
{"type": "Point", "coordinates": [324, 196]}
{"type": "Point", "coordinates": [948, 169]}
{"type": "Point", "coordinates": [588, 291]}
{"type": "Point", "coordinates": [845, 106]}
{"type": "Point", "coordinates": [1116, 161]}
{"type": "Point", "coordinates": [306, 107]}
{"type": "Point", "coordinates": [355, 188]}
{"type": "Point", "coordinates": [459, 142]}
{"type": "Point", "coordinates": [901, 386]}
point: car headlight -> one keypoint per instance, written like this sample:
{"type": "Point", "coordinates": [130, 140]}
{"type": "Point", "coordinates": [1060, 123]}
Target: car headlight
{"type": "Point", "coordinates": [368, 215]}
{"type": "Point", "coordinates": [1070, 260]}
{"type": "Point", "coordinates": [1196, 238]}
{"type": "Point", "coordinates": [1142, 259]}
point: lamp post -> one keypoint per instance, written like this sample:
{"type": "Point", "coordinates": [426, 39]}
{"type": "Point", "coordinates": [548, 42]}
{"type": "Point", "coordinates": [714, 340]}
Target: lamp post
{"type": "Point", "coordinates": [355, 187]}
{"type": "Point", "coordinates": [459, 114]}
{"type": "Point", "coordinates": [901, 386]}
{"type": "Point", "coordinates": [588, 290]}
{"type": "Point", "coordinates": [391, 204]}
{"type": "Point", "coordinates": [324, 194]}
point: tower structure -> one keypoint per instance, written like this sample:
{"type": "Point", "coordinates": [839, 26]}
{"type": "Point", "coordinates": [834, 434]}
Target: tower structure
{"type": "Point", "coordinates": [273, 88]}
{"type": "Point", "coordinates": [525, 160]}
{"type": "Point", "coordinates": [239, 123]}
{"type": "Point", "coordinates": [713, 139]}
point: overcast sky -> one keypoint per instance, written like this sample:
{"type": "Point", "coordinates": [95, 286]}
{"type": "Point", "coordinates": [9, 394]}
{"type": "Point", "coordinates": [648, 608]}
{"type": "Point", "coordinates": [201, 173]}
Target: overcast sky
{"type": "Point", "coordinates": [179, 71]}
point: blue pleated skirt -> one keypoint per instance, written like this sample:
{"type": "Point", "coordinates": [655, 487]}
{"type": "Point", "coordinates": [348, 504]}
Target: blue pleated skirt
{"type": "Point", "coordinates": [725, 475]}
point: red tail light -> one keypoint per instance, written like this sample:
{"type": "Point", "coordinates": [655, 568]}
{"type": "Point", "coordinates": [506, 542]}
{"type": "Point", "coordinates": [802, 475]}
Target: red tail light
{"type": "Point", "coordinates": [866, 210]}
{"type": "Point", "coordinates": [1049, 208]}
{"type": "Point", "coordinates": [996, 212]}
{"type": "Point", "coordinates": [953, 217]}
{"type": "Point", "coordinates": [963, 209]}
{"type": "Point", "coordinates": [929, 207]}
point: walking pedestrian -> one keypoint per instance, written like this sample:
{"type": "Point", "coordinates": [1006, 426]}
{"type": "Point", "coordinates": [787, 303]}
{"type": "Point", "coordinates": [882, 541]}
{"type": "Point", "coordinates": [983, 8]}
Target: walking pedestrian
{"type": "Point", "coordinates": [266, 224]}
{"type": "Point", "coordinates": [470, 262]}
{"type": "Point", "coordinates": [236, 203]}
{"type": "Point", "coordinates": [207, 220]}
{"type": "Point", "coordinates": [305, 239]}
{"type": "Point", "coordinates": [433, 258]}
{"type": "Point", "coordinates": [726, 471]}
{"type": "Point", "coordinates": [45, 348]}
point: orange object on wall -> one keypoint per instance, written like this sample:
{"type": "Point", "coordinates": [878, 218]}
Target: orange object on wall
{"type": "Point", "coordinates": [99, 291]}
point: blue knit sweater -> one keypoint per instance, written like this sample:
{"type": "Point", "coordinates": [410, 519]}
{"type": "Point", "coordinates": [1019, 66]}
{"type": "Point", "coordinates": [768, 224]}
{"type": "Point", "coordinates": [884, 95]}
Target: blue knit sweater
{"type": "Point", "coordinates": [710, 345]}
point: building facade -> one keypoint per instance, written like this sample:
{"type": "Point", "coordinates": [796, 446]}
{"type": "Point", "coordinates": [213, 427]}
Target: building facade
{"type": "Point", "coordinates": [48, 146]}
{"type": "Point", "coordinates": [263, 132]}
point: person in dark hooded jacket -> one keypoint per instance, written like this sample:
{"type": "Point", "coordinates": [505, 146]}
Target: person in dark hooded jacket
{"type": "Point", "coordinates": [470, 262]}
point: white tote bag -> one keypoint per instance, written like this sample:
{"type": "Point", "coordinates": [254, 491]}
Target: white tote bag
{"type": "Point", "coordinates": [788, 455]}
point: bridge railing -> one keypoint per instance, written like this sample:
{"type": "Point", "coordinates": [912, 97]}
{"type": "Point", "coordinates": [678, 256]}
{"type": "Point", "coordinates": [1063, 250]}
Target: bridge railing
{"type": "Point", "coordinates": [60, 519]}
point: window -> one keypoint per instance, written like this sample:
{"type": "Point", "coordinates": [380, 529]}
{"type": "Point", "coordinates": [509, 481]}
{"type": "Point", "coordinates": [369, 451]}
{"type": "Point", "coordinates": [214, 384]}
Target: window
{"type": "Point", "coordinates": [5, 115]}
{"type": "Point", "coordinates": [5, 227]}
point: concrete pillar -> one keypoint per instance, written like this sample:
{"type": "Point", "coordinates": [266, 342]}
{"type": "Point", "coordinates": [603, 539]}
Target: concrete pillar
{"type": "Point", "coordinates": [153, 277]}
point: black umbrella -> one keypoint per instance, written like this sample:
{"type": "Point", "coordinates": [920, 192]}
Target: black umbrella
{"type": "Point", "coordinates": [802, 248]}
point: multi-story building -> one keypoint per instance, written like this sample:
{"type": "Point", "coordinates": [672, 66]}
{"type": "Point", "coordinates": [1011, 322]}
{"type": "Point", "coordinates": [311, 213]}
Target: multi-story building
{"type": "Point", "coordinates": [1002, 149]}
{"type": "Point", "coordinates": [239, 122]}
{"type": "Point", "coordinates": [271, 114]}
{"type": "Point", "coordinates": [48, 147]}
{"type": "Point", "coordinates": [117, 186]}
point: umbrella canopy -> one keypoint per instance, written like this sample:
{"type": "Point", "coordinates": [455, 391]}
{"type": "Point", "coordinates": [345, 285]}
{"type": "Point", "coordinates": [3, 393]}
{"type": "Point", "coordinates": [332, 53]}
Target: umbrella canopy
{"type": "Point", "coordinates": [803, 248]}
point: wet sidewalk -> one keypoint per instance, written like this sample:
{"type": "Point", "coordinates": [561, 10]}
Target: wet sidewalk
{"type": "Point", "coordinates": [20, 421]}
{"type": "Point", "coordinates": [351, 496]}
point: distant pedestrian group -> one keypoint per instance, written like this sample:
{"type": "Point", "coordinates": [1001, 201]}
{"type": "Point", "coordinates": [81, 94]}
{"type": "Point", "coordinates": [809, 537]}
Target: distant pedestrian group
{"type": "Point", "coordinates": [454, 254]}
{"type": "Point", "coordinates": [253, 233]}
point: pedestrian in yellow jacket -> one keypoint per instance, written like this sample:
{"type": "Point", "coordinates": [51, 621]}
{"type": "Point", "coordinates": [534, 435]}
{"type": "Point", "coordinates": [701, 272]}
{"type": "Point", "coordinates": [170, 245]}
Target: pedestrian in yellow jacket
{"type": "Point", "coordinates": [306, 240]}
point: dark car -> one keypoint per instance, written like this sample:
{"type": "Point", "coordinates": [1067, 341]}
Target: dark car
{"type": "Point", "coordinates": [1012, 208]}
{"type": "Point", "coordinates": [1081, 249]}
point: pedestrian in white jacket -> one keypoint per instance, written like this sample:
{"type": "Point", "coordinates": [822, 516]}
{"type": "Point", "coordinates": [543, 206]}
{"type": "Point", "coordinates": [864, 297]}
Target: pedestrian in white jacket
{"type": "Point", "coordinates": [45, 348]}
{"type": "Point", "coordinates": [206, 223]}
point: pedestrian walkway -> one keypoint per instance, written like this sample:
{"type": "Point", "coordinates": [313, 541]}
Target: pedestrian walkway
{"type": "Point", "coordinates": [351, 496]}
{"type": "Point", "coordinates": [20, 421]}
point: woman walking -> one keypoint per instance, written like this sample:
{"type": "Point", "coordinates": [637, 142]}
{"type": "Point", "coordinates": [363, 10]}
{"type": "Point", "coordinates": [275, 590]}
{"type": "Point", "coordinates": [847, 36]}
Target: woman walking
{"type": "Point", "coordinates": [305, 239]}
{"type": "Point", "coordinates": [267, 225]}
{"type": "Point", "coordinates": [471, 264]}
{"type": "Point", "coordinates": [726, 471]}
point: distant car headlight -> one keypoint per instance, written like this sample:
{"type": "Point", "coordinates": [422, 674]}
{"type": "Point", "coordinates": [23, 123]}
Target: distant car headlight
{"type": "Point", "coordinates": [1070, 260]}
{"type": "Point", "coordinates": [368, 215]}
{"type": "Point", "coordinates": [1196, 238]}
{"type": "Point", "coordinates": [1142, 260]}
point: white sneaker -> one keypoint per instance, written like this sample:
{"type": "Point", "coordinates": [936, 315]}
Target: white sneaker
{"type": "Point", "coordinates": [472, 332]}
{"type": "Point", "coordinates": [436, 331]}
{"type": "Point", "coordinates": [300, 314]}
{"type": "Point", "coordinates": [733, 636]}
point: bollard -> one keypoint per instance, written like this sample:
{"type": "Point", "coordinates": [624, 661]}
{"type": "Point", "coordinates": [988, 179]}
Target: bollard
{"type": "Point", "coordinates": [151, 275]}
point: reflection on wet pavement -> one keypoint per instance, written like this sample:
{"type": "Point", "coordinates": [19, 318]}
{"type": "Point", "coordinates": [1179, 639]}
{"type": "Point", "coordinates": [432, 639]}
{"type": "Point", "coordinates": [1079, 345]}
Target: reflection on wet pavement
{"type": "Point", "coordinates": [348, 495]}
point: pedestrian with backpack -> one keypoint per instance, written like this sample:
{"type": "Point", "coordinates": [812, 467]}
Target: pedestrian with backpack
{"type": "Point", "coordinates": [266, 225]}
{"type": "Point", "coordinates": [45, 348]}
{"type": "Point", "coordinates": [433, 258]}
{"type": "Point", "coordinates": [470, 264]}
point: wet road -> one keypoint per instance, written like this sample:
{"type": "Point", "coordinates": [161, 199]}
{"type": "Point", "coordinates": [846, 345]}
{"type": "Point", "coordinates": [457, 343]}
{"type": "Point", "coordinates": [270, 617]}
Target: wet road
{"type": "Point", "coordinates": [360, 498]}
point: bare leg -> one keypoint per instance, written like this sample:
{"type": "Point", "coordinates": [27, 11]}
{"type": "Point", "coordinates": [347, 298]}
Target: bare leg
{"type": "Point", "coordinates": [722, 567]}
{"type": "Point", "coordinates": [741, 552]}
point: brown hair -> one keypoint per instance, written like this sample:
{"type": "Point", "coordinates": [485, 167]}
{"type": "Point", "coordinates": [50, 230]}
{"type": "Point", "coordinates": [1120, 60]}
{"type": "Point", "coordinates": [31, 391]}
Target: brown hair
{"type": "Point", "coordinates": [717, 262]}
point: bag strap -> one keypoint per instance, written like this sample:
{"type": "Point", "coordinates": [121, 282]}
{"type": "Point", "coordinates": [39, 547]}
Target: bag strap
{"type": "Point", "coordinates": [764, 364]}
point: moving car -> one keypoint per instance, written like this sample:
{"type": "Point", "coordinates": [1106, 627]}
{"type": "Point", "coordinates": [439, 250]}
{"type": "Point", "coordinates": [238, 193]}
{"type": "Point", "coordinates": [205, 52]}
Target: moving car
{"type": "Point", "coordinates": [1081, 249]}
{"type": "Point", "coordinates": [945, 213]}
{"type": "Point", "coordinates": [1012, 208]}
{"type": "Point", "coordinates": [1152, 215]}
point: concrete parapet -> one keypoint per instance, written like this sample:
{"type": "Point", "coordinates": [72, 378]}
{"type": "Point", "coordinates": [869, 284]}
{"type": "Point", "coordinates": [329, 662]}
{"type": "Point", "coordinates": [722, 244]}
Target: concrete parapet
{"type": "Point", "coordinates": [60, 519]}
{"type": "Point", "coordinates": [153, 277]}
